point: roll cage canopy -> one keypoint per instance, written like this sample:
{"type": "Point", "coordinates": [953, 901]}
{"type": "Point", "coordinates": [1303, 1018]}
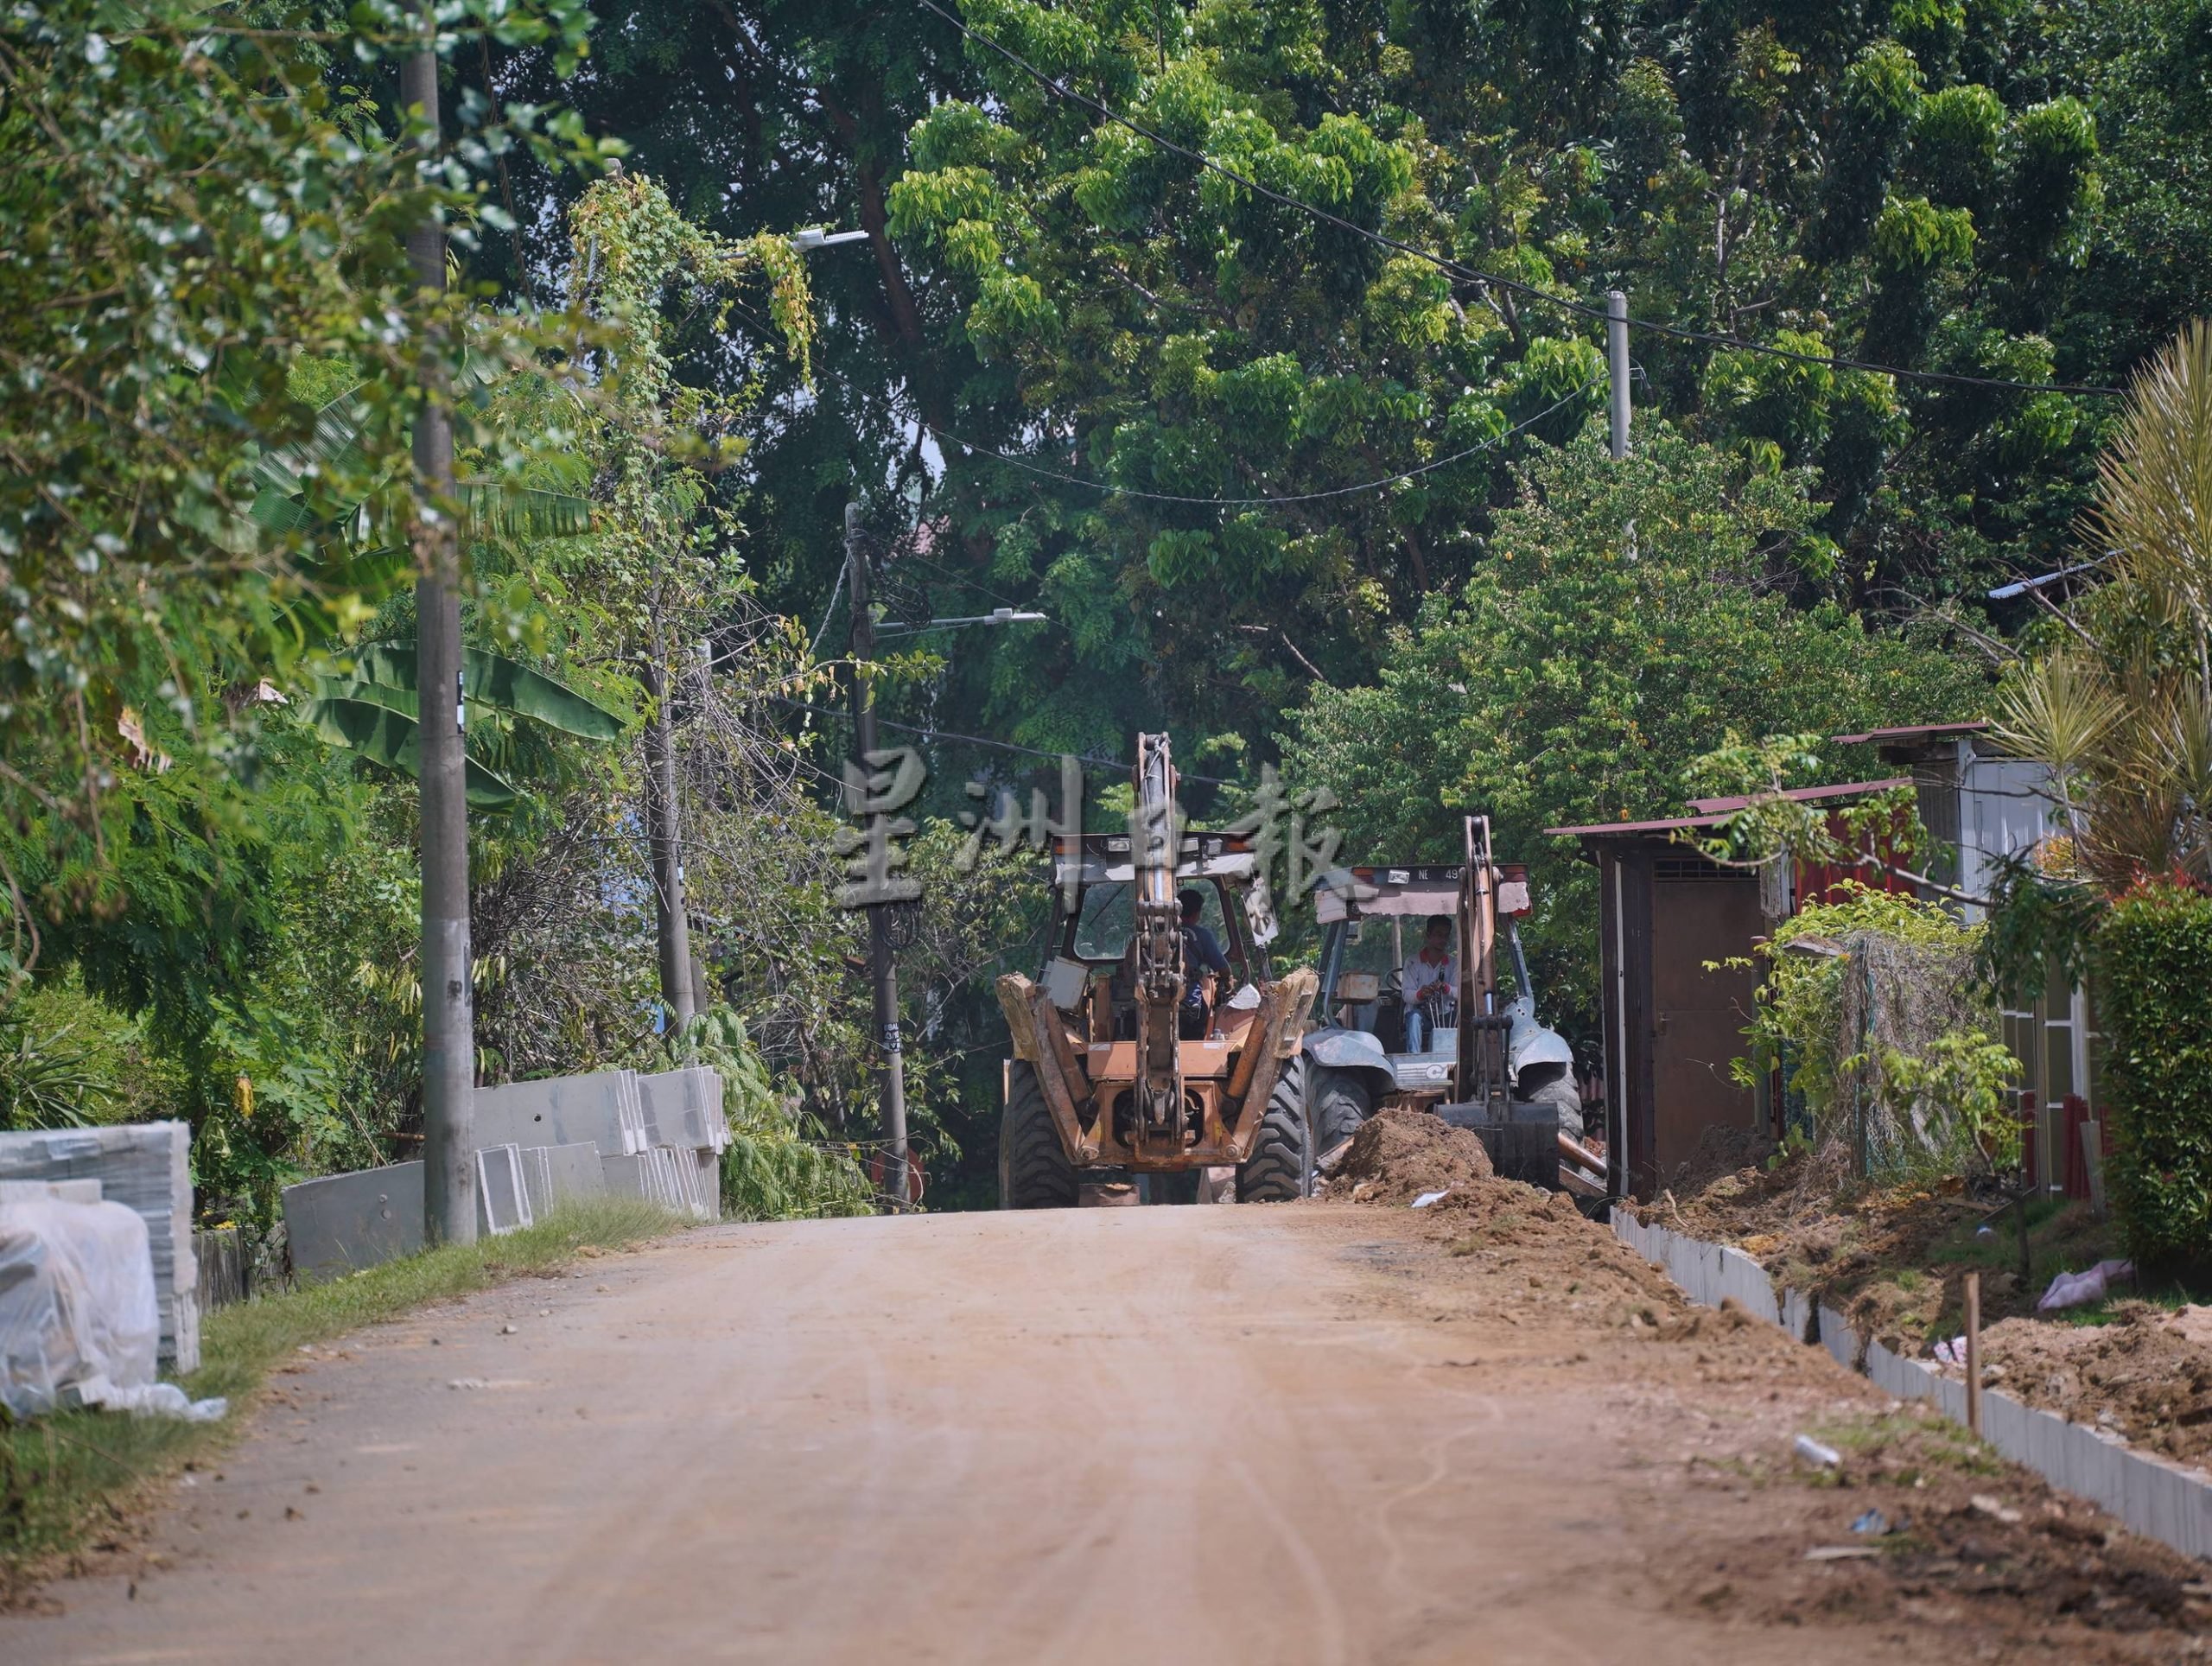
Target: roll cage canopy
{"type": "Point", "coordinates": [1383, 891]}
{"type": "Point", "coordinates": [1104, 859]}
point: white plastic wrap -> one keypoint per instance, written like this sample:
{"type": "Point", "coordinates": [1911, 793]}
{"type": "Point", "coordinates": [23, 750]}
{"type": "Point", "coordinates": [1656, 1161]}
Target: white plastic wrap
{"type": "Point", "coordinates": [78, 1317]}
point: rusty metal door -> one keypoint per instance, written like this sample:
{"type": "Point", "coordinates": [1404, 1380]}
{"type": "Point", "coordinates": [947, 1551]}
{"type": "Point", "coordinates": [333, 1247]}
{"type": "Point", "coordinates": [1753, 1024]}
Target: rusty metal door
{"type": "Point", "coordinates": [1699, 914]}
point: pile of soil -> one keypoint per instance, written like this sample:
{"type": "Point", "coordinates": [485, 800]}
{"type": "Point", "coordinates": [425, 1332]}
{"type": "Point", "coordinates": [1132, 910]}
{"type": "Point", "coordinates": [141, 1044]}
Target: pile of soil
{"type": "Point", "coordinates": [2147, 1374]}
{"type": "Point", "coordinates": [1721, 1151]}
{"type": "Point", "coordinates": [1399, 1154]}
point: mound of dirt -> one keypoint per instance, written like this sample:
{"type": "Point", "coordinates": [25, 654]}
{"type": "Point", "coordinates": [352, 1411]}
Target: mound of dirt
{"type": "Point", "coordinates": [1720, 1150]}
{"type": "Point", "coordinates": [1398, 1154]}
{"type": "Point", "coordinates": [2147, 1374]}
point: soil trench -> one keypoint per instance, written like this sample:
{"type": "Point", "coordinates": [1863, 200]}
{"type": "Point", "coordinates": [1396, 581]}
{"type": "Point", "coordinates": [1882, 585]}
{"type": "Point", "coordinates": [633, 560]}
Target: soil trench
{"type": "Point", "coordinates": [1319, 1433]}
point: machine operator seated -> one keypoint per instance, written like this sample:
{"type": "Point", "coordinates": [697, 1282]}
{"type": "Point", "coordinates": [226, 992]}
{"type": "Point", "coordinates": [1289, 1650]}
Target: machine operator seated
{"type": "Point", "coordinates": [1430, 985]}
{"type": "Point", "coordinates": [1205, 969]}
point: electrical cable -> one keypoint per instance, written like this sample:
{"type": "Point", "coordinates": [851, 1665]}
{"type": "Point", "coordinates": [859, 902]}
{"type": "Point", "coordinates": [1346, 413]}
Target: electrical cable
{"type": "Point", "coordinates": [1060, 89]}
{"type": "Point", "coordinates": [1302, 496]}
{"type": "Point", "coordinates": [1111, 490]}
{"type": "Point", "coordinates": [985, 740]}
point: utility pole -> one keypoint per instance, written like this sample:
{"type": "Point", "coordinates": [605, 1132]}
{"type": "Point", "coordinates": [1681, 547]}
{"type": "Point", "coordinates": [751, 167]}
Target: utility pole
{"type": "Point", "coordinates": [664, 847]}
{"type": "Point", "coordinates": [891, 1068]}
{"type": "Point", "coordinates": [448, 1002]}
{"type": "Point", "coordinates": [1617, 351]}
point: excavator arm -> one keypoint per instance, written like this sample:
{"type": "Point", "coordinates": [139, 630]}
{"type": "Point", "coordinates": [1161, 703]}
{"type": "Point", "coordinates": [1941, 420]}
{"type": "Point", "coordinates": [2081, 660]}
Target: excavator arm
{"type": "Point", "coordinates": [1155, 843]}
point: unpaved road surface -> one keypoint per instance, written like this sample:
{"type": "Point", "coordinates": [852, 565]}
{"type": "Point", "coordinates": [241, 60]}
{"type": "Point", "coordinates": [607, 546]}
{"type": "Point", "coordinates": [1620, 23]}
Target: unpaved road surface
{"type": "Point", "coordinates": [1319, 1433]}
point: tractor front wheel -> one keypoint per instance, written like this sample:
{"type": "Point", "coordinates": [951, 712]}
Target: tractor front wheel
{"type": "Point", "coordinates": [1281, 1168]}
{"type": "Point", "coordinates": [1034, 1171]}
{"type": "Point", "coordinates": [1341, 1102]}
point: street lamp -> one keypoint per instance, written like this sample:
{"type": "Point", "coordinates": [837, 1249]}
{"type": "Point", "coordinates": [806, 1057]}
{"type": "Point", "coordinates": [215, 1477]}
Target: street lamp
{"type": "Point", "coordinates": [996, 616]}
{"type": "Point", "coordinates": [883, 971]}
{"type": "Point", "coordinates": [813, 238]}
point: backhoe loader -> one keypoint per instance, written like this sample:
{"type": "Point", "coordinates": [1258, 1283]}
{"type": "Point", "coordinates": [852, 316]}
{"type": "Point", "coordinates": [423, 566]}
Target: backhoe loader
{"type": "Point", "coordinates": [1118, 1074]}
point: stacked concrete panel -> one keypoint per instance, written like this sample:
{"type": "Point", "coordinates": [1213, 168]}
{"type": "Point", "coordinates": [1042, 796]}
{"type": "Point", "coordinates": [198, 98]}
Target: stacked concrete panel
{"type": "Point", "coordinates": [684, 1108]}
{"type": "Point", "coordinates": [146, 1167]}
{"type": "Point", "coordinates": [342, 1223]}
{"type": "Point", "coordinates": [502, 1199]}
{"type": "Point", "coordinates": [603, 1108]}
{"type": "Point", "coordinates": [683, 1116]}
{"type": "Point", "coordinates": [552, 1175]}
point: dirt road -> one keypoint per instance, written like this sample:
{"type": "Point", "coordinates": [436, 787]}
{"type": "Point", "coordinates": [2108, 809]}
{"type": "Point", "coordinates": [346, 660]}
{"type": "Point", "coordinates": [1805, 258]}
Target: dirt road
{"type": "Point", "coordinates": [1299, 1433]}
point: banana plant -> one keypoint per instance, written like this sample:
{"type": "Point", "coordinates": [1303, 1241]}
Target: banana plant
{"type": "Point", "coordinates": [375, 711]}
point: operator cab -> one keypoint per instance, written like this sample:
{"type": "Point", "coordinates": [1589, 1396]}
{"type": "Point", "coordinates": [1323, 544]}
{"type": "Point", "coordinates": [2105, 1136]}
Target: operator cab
{"type": "Point", "coordinates": [1093, 941]}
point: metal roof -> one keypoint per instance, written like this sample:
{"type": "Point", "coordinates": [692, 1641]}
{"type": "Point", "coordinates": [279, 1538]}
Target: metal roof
{"type": "Point", "coordinates": [1913, 731]}
{"type": "Point", "coordinates": [1714, 812]}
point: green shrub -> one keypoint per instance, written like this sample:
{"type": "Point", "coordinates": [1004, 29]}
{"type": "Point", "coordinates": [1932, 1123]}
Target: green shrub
{"type": "Point", "coordinates": [771, 1170]}
{"type": "Point", "coordinates": [2155, 954]}
{"type": "Point", "coordinates": [1870, 1005]}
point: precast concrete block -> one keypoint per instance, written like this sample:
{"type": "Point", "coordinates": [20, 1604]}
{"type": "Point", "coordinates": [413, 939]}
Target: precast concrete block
{"type": "Point", "coordinates": [344, 1221]}
{"type": "Point", "coordinates": [599, 1108]}
{"type": "Point", "coordinates": [710, 1184]}
{"type": "Point", "coordinates": [555, 1175]}
{"type": "Point", "coordinates": [684, 1108]}
{"type": "Point", "coordinates": [1839, 1338]}
{"type": "Point", "coordinates": [502, 1195]}
{"type": "Point", "coordinates": [624, 1176]}
{"type": "Point", "coordinates": [1748, 1282]}
{"type": "Point", "coordinates": [1799, 1316]}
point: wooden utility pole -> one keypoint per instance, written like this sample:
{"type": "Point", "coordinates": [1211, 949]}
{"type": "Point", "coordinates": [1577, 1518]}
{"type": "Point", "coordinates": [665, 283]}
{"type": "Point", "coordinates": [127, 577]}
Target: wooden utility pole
{"type": "Point", "coordinates": [883, 971]}
{"type": "Point", "coordinates": [448, 1002]}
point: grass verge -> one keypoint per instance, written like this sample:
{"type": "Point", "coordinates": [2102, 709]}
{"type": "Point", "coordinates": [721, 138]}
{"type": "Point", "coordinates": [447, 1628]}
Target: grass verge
{"type": "Point", "coordinates": [68, 1482]}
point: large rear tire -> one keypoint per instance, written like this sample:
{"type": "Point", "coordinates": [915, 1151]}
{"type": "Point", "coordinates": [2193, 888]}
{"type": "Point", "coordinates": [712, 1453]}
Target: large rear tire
{"type": "Point", "coordinates": [1281, 1168]}
{"type": "Point", "coordinates": [1034, 1171]}
{"type": "Point", "coordinates": [1341, 1102]}
{"type": "Point", "coordinates": [1562, 1095]}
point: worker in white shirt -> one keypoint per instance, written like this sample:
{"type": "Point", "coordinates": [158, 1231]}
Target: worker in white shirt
{"type": "Point", "coordinates": [1431, 985]}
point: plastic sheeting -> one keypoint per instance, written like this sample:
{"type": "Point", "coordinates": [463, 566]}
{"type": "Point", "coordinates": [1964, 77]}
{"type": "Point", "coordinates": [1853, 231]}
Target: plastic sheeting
{"type": "Point", "coordinates": [78, 1317]}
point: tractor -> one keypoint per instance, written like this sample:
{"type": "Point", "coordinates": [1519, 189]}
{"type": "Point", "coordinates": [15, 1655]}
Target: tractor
{"type": "Point", "coordinates": [1119, 1074]}
{"type": "Point", "coordinates": [1496, 1065]}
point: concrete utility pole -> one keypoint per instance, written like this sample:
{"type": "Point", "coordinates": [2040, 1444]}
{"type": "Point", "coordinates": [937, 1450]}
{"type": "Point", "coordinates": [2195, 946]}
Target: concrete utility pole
{"type": "Point", "coordinates": [891, 1068]}
{"type": "Point", "coordinates": [448, 1002]}
{"type": "Point", "coordinates": [1617, 351]}
{"type": "Point", "coordinates": [665, 846]}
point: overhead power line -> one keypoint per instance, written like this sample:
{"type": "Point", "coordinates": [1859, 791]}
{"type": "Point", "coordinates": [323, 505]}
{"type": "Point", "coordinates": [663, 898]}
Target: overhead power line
{"type": "Point", "coordinates": [1060, 89]}
{"type": "Point", "coordinates": [1108, 487]}
{"type": "Point", "coordinates": [985, 740]}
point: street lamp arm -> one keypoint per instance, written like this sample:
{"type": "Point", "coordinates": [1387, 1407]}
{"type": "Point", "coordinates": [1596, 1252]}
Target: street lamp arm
{"type": "Point", "coordinates": [813, 237]}
{"type": "Point", "coordinates": [996, 616]}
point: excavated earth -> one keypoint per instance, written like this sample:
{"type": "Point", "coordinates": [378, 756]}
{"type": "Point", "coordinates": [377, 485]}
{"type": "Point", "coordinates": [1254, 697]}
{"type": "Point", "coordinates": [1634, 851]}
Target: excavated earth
{"type": "Point", "coordinates": [1334, 1432]}
{"type": "Point", "coordinates": [2141, 1371]}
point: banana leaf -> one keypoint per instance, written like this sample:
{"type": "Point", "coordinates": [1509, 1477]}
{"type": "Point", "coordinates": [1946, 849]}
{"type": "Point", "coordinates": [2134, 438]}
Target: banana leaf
{"type": "Point", "coordinates": [389, 737]}
{"type": "Point", "coordinates": [498, 682]}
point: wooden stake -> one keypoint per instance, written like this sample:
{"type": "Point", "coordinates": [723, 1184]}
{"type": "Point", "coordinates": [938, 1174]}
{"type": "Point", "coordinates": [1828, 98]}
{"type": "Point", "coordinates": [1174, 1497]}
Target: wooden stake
{"type": "Point", "coordinates": [1974, 1353]}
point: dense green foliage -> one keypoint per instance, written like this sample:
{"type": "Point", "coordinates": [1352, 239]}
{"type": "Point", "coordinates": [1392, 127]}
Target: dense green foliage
{"type": "Point", "coordinates": [1986, 190]}
{"type": "Point", "coordinates": [1573, 681]}
{"type": "Point", "coordinates": [1069, 370]}
{"type": "Point", "coordinates": [2154, 956]}
{"type": "Point", "coordinates": [1867, 1008]}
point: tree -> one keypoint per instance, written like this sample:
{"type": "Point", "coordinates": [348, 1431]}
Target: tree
{"type": "Point", "coordinates": [1580, 675]}
{"type": "Point", "coordinates": [2119, 703]}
